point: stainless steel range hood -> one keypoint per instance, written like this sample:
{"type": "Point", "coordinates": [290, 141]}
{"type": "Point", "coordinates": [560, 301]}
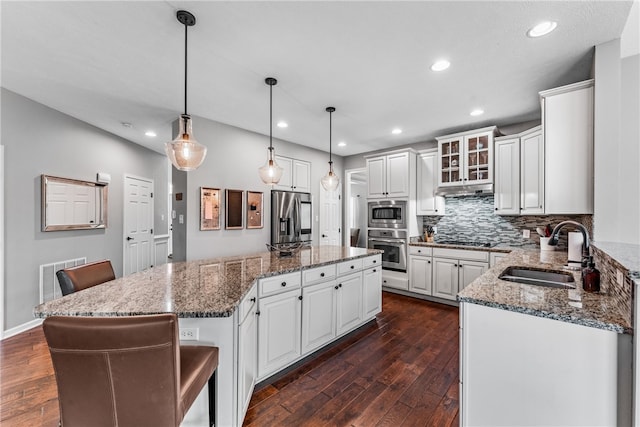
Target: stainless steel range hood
{"type": "Point", "coordinates": [465, 190]}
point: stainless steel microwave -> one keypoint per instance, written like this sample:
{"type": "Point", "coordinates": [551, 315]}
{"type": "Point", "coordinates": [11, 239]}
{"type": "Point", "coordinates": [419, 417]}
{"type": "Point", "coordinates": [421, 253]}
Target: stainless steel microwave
{"type": "Point", "coordinates": [388, 214]}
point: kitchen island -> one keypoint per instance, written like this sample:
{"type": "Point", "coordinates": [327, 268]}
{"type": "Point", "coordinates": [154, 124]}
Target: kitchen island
{"type": "Point", "coordinates": [534, 355]}
{"type": "Point", "coordinates": [217, 301]}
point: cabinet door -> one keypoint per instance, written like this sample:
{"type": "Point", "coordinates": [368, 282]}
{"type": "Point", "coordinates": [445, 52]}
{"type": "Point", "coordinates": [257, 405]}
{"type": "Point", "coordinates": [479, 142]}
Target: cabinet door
{"type": "Point", "coordinates": [371, 292]}
{"type": "Point", "coordinates": [532, 174]}
{"type": "Point", "coordinates": [507, 178]}
{"type": "Point", "coordinates": [445, 278]}
{"type": "Point", "coordinates": [349, 302]}
{"type": "Point", "coordinates": [278, 331]}
{"type": "Point", "coordinates": [376, 177]}
{"type": "Point", "coordinates": [428, 203]}
{"type": "Point", "coordinates": [420, 271]}
{"type": "Point", "coordinates": [301, 176]}
{"type": "Point", "coordinates": [286, 181]}
{"type": "Point", "coordinates": [478, 158]}
{"type": "Point", "coordinates": [470, 271]}
{"type": "Point", "coordinates": [398, 175]}
{"type": "Point", "coordinates": [247, 360]}
{"type": "Point", "coordinates": [450, 157]}
{"type": "Point", "coordinates": [318, 315]}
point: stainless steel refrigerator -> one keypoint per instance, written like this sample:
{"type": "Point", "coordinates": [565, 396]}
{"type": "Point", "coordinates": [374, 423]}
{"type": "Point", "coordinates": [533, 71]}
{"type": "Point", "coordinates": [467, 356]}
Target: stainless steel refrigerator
{"type": "Point", "coordinates": [291, 217]}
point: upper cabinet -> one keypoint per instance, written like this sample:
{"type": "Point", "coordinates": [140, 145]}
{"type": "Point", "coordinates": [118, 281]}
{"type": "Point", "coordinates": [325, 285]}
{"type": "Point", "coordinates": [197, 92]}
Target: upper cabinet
{"type": "Point", "coordinates": [296, 175]}
{"type": "Point", "coordinates": [519, 173]}
{"type": "Point", "coordinates": [567, 125]}
{"type": "Point", "coordinates": [388, 175]}
{"type": "Point", "coordinates": [466, 158]}
{"type": "Point", "coordinates": [427, 180]}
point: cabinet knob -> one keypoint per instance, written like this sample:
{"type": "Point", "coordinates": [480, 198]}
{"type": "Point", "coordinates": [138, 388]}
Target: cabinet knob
{"type": "Point", "coordinates": [459, 265]}
{"type": "Point", "coordinates": [520, 208]}
{"type": "Point", "coordinates": [428, 262]}
{"type": "Point", "coordinates": [419, 251]}
{"type": "Point", "coordinates": [374, 261]}
{"type": "Point", "coordinates": [496, 208]}
{"type": "Point", "coordinates": [283, 284]}
{"type": "Point", "coordinates": [436, 210]}
{"type": "Point", "coordinates": [335, 287]}
{"type": "Point", "coordinates": [455, 265]}
{"type": "Point", "coordinates": [300, 297]}
{"type": "Point", "coordinates": [352, 267]}
{"type": "Point", "coordinates": [340, 285]}
{"type": "Point", "coordinates": [253, 299]}
{"type": "Point", "coordinates": [258, 313]}
{"type": "Point", "coordinates": [384, 281]}
{"type": "Point", "coordinates": [321, 274]}
{"type": "Point", "coordinates": [374, 270]}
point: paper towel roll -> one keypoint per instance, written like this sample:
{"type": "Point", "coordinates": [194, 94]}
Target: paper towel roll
{"type": "Point", "coordinates": [575, 246]}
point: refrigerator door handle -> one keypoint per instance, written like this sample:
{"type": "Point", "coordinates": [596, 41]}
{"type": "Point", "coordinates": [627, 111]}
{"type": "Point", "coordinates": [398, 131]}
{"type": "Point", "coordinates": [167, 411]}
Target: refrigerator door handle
{"type": "Point", "coordinates": [297, 209]}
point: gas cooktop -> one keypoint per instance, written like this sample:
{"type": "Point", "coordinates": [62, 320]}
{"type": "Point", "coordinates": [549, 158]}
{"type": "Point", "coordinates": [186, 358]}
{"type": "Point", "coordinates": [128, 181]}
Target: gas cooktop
{"type": "Point", "coordinates": [466, 243]}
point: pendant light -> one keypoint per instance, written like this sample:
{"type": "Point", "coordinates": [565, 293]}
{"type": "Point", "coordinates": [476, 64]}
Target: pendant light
{"type": "Point", "coordinates": [270, 173]}
{"type": "Point", "coordinates": [330, 181]}
{"type": "Point", "coordinates": [185, 153]}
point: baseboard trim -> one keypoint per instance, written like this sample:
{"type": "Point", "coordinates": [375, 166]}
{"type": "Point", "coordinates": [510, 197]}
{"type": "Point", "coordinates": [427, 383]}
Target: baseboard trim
{"type": "Point", "coordinates": [20, 328]}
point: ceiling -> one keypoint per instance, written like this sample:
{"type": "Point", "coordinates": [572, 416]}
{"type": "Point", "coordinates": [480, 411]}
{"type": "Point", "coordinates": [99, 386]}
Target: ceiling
{"type": "Point", "coordinates": [112, 62]}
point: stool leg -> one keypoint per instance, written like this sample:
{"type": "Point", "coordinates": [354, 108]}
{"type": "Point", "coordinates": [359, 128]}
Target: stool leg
{"type": "Point", "coordinates": [212, 399]}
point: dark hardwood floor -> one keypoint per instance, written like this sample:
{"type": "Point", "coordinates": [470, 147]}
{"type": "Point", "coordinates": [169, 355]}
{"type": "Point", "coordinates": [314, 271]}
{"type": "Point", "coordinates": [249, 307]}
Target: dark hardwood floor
{"type": "Point", "coordinates": [401, 370]}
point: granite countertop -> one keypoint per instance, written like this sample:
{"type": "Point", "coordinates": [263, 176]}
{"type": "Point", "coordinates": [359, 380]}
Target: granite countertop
{"type": "Point", "coordinates": [627, 254]}
{"type": "Point", "coordinates": [498, 248]}
{"type": "Point", "coordinates": [599, 310]}
{"type": "Point", "coordinates": [203, 288]}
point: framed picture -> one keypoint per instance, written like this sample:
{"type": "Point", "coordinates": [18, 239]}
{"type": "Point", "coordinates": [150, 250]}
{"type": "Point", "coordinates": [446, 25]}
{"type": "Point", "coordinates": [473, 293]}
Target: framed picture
{"type": "Point", "coordinates": [209, 208]}
{"type": "Point", "coordinates": [255, 218]}
{"type": "Point", "coordinates": [234, 205]}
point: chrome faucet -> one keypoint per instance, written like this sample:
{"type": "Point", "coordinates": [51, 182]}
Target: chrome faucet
{"type": "Point", "coordinates": [553, 239]}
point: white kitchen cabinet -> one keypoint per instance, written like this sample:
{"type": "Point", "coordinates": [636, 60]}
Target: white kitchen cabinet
{"type": "Point", "coordinates": [371, 292]}
{"type": "Point", "coordinates": [420, 270]}
{"type": "Point", "coordinates": [445, 278]}
{"type": "Point", "coordinates": [279, 327]}
{"type": "Point", "coordinates": [349, 302]}
{"type": "Point", "coordinates": [507, 176]}
{"type": "Point", "coordinates": [426, 183]}
{"type": "Point", "coordinates": [247, 351]}
{"type": "Point", "coordinates": [296, 175]}
{"type": "Point", "coordinates": [466, 158]}
{"type": "Point", "coordinates": [318, 315]}
{"type": "Point", "coordinates": [523, 370]}
{"type": "Point", "coordinates": [388, 175]}
{"type": "Point", "coordinates": [468, 271]}
{"type": "Point", "coordinates": [567, 124]}
{"type": "Point", "coordinates": [454, 269]}
{"type": "Point", "coordinates": [495, 257]}
{"type": "Point", "coordinates": [519, 173]}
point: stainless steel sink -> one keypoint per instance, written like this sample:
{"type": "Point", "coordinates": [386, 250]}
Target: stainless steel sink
{"type": "Point", "coordinates": [539, 277]}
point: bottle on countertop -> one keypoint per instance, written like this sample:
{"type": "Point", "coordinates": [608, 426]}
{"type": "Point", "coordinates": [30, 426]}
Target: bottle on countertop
{"type": "Point", "coordinates": [591, 277]}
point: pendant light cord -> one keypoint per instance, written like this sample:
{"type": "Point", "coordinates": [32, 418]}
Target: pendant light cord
{"type": "Point", "coordinates": [185, 70]}
{"type": "Point", "coordinates": [330, 132]}
{"type": "Point", "coordinates": [270, 118]}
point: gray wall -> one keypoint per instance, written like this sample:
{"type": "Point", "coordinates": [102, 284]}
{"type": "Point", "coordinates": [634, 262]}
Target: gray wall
{"type": "Point", "coordinates": [233, 158]}
{"type": "Point", "coordinates": [39, 140]}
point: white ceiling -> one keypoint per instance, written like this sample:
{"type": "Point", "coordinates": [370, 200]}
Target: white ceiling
{"type": "Point", "coordinates": [113, 62]}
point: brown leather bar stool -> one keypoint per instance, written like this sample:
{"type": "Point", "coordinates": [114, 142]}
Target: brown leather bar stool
{"type": "Point", "coordinates": [84, 276]}
{"type": "Point", "coordinates": [127, 371]}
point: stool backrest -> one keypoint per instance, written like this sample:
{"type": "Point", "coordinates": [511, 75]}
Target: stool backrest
{"type": "Point", "coordinates": [84, 276]}
{"type": "Point", "coordinates": [116, 370]}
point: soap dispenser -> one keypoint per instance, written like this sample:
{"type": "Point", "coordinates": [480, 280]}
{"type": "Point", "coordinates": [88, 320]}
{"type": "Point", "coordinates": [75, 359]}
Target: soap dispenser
{"type": "Point", "coordinates": [591, 277]}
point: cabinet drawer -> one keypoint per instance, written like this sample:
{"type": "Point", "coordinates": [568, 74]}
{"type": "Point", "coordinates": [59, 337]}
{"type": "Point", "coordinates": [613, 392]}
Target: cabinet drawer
{"type": "Point", "coordinates": [461, 254]}
{"type": "Point", "coordinates": [349, 266]}
{"type": "Point", "coordinates": [277, 284]}
{"type": "Point", "coordinates": [319, 274]}
{"type": "Point", "coordinates": [372, 261]}
{"type": "Point", "coordinates": [247, 303]}
{"type": "Point", "coordinates": [420, 250]}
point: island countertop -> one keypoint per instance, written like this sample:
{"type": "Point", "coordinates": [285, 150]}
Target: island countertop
{"type": "Point", "coordinates": [203, 288]}
{"type": "Point", "coordinates": [597, 310]}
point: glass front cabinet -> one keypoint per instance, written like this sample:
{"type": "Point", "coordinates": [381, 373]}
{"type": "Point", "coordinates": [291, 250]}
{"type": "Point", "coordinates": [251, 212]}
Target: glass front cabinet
{"type": "Point", "coordinates": [466, 158]}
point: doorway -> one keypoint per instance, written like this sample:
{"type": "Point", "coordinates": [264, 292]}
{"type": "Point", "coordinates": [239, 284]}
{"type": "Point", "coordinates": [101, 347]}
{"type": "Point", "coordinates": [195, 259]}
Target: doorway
{"type": "Point", "coordinates": [356, 208]}
{"type": "Point", "coordinates": [138, 224]}
{"type": "Point", "coordinates": [330, 216]}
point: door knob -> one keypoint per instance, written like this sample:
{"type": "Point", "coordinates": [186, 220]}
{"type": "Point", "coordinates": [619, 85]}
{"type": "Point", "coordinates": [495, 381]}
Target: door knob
{"type": "Point", "coordinates": [129, 238]}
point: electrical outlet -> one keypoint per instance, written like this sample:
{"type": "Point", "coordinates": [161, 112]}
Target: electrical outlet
{"type": "Point", "coordinates": [526, 233]}
{"type": "Point", "coordinates": [619, 277]}
{"type": "Point", "coordinates": [435, 230]}
{"type": "Point", "coordinates": [189, 334]}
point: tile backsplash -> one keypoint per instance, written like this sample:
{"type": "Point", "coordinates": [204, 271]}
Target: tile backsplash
{"type": "Point", "coordinates": [473, 218]}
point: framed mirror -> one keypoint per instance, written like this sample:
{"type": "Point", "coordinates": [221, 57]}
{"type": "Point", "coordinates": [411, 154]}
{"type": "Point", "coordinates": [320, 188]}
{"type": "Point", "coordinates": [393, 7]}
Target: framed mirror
{"type": "Point", "coordinates": [254, 209]}
{"type": "Point", "coordinates": [234, 209]}
{"type": "Point", "coordinates": [71, 204]}
{"type": "Point", "coordinates": [209, 208]}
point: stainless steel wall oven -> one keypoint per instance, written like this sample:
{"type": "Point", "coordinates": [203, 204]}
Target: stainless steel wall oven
{"type": "Point", "coordinates": [394, 245]}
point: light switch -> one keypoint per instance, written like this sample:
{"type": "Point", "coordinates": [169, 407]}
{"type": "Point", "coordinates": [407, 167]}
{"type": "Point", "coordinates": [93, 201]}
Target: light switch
{"type": "Point", "coordinates": [526, 233]}
{"type": "Point", "coordinates": [181, 219]}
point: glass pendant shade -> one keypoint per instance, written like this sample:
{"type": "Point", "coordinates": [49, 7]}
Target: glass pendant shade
{"type": "Point", "coordinates": [271, 172]}
{"type": "Point", "coordinates": [185, 153]}
{"type": "Point", "coordinates": [330, 181]}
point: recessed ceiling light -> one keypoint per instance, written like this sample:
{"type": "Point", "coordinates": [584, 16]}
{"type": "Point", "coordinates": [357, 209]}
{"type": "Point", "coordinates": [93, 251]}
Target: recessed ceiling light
{"type": "Point", "coordinates": [477, 112]}
{"type": "Point", "coordinates": [396, 131]}
{"type": "Point", "coordinates": [127, 124]}
{"type": "Point", "coordinates": [542, 29]}
{"type": "Point", "coordinates": [150, 134]}
{"type": "Point", "coordinates": [440, 65]}
{"type": "Point", "coordinates": [342, 144]}
{"type": "Point", "coordinates": [282, 124]}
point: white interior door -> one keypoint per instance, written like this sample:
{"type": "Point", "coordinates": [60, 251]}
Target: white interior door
{"type": "Point", "coordinates": [330, 216]}
{"type": "Point", "coordinates": [138, 224]}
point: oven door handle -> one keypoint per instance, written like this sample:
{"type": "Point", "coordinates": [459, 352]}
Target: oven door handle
{"type": "Point", "coordinates": [397, 242]}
